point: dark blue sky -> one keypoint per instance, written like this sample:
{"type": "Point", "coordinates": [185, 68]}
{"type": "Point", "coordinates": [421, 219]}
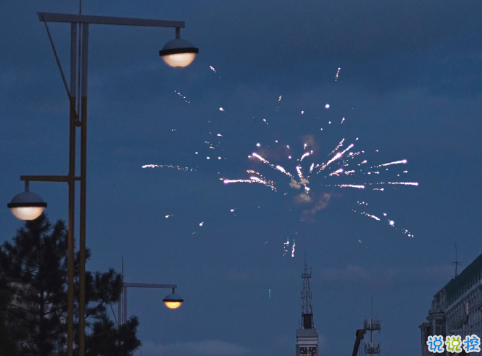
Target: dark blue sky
{"type": "Point", "coordinates": [409, 86]}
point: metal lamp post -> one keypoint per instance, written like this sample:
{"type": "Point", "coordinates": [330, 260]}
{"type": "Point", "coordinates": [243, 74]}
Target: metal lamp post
{"type": "Point", "coordinates": [28, 205]}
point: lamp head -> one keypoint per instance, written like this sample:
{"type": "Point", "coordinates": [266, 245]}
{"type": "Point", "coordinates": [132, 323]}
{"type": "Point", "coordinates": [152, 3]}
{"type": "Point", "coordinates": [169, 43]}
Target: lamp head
{"type": "Point", "coordinates": [173, 301]}
{"type": "Point", "coordinates": [27, 206]}
{"type": "Point", "coordinates": [178, 53]}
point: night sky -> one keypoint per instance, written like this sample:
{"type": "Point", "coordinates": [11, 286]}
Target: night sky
{"type": "Point", "coordinates": [409, 86]}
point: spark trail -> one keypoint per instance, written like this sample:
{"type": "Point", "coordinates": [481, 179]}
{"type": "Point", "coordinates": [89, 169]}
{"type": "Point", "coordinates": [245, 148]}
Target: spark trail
{"type": "Point", "coordinates": [179, 168]}
{"type": "Point", "coordinates": [344, 167]}
{"type": "Point", "coordinates": [309, 173]}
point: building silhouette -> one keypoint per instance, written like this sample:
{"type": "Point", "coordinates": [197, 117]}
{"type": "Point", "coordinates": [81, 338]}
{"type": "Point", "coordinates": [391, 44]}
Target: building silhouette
{"type": "Point", "coordinates": [456, 308]}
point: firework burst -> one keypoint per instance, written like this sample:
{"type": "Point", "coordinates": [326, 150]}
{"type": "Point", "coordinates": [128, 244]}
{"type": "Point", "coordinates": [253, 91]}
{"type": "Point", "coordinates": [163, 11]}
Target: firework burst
{"type": "Point", "coordinates": [313, 181]}
{"type": "Point", "coordinates": [302, 171]}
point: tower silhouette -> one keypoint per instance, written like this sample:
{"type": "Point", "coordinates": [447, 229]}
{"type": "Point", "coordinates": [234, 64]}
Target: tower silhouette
{"type": "Point", "coordinates": [372, 325]}
{"type": "Point", "coordinates": [306, 335]}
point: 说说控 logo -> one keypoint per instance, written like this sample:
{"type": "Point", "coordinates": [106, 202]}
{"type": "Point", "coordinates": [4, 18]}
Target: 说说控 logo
{"type": "Point", "coordinates": [453, 343]}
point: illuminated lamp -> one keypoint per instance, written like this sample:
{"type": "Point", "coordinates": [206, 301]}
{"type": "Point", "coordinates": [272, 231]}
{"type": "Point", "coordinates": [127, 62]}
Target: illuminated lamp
{"type": "Point", "coordinates": [178, 53]}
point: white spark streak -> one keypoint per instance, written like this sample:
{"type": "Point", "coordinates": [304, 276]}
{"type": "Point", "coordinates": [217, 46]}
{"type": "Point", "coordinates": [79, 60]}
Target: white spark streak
{"type": "Point", "coordinates": [403, 161]}
{"type": "Point", "coordinates": [254, 154]}
{"type": "Point", "coordinates": [405, 183]}
{"type": "Point", "coordinates": [337, 156]}
{"type": "Point", "coordinates": [371, 216]}
{"type": "Point", "coordinates": [337, 172]}
{"type": "Point", "coordinates": [348, 148]}
{"type": "Point", "coordinates": [228, 181]}
{"type": "Point", "coordinates": [337, 147]}
{"type": "Point", "coordinates": [298, 169]}
{"type": "Point", "coordinates": [179, 168]}
{"type": "Point", "coordinates": [306, 154]}
{"type": "Point", "coordinates": [281, 169]}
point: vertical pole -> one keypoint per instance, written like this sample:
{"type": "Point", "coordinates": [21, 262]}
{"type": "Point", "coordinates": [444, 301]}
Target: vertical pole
{"type": "Point", "coordinates": [119, 303]}
{"type": "Point", "coordinates": [70, 234]}
{"type": "Point", "coordinates": [83, 185]}
{"type": "Point", "coordinates": [119, 309]}
{"type": "Point", "coordinates": [125, 305]}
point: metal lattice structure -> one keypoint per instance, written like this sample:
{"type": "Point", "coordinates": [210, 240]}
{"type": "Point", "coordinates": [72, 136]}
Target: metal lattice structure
{"type": "Point", "coordinates": [306, 310]}
{"type": "Point", "coordinates": [372, 325]}
{"type": "Point", "coordinates": [306, 335]}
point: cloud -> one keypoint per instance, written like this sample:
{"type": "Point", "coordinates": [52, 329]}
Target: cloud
{"type": "Point", "coordinates": [350, 273]}
{"type": "Point", "coordinates": [197, 348]}
{"type": "Point", "coordinates": [369, 40]}
{"type": "Point", "coordinates": [238, 276]}
{"type": "Point", "coordinates": [294, 184]}
{"type": "Point", "coordinates": [374, 277]}
{"type": "Point", "coordinates": [310, 142]}
{"type": "Point", "coordinates": [438, 273]}
{"type": "Point", "coordinates": [303, 198]}
{"type": "Point", "coordinates": [321, 204]}
{"type": "Point", "coordinates": [386, 278]}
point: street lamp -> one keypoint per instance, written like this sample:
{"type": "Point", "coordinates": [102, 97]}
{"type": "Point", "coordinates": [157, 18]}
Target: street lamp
{"type": "Point", "coordinates": [172, 301]}
{"type": "Point", "coordinates": [178, 53]}
{"type": "Point", "coordinates": [28, 205]}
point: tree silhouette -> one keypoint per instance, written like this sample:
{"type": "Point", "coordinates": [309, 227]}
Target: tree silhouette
{"type": "Point", "coordinates": [33, 271]}
{"type": "Point", "coordinates": [7, 344]}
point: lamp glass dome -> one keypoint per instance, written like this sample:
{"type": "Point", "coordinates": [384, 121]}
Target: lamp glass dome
{"type": "Point", "coordinates": [179, 60]}
{"type": "Point", "coordinates": [173, 305]}
{"type": "Point", "coordinates": [173, 301]}
{"type": "Point", "coordinates": [27, 212]}
{"type": "Point", "coordinates": [27, 206]}
{"type": "Point", "coordinates": [178, 53]}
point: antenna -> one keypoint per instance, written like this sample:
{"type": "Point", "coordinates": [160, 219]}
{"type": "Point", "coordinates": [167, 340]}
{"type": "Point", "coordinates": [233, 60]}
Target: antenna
{"type": "Point", "coordinates": [372, 325]}
{"type": "Point", "coordinates": [456, 263]}
{"type": "Point", "coordinates": [372, 306]}
{"type": "Point", "coordinates": [306, 310]}
{"type": "Point", "coordinates": [306, 335]}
